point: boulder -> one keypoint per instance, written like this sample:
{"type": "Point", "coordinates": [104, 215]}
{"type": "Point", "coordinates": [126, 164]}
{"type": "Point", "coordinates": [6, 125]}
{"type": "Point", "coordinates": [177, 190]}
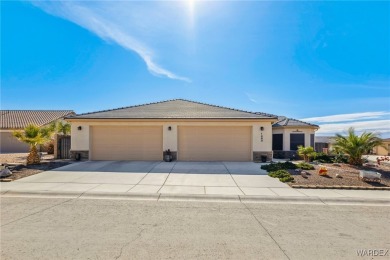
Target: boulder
{"type": "Point", "coordinates": [5, 173]}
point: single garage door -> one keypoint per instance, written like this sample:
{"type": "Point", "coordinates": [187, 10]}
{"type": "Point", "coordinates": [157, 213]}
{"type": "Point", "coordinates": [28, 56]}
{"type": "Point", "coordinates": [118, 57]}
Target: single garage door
{"type": "Point", "coordinates": [214, 143]}
{"type": "Point", "coordinates": [142, 143]}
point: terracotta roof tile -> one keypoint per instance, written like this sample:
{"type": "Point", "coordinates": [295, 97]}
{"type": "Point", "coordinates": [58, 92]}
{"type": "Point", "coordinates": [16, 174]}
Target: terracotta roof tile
{"type": "Point", "coordinates": [285, 121]}
{"type": "Point", "coordinates": [173, 109]}
{"type": "Point", "coordinates": [18, 119]}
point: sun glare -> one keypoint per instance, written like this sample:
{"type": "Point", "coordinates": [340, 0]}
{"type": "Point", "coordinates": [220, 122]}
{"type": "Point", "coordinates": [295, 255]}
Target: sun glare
{"type": "Point", "coordinates": [191, 11]}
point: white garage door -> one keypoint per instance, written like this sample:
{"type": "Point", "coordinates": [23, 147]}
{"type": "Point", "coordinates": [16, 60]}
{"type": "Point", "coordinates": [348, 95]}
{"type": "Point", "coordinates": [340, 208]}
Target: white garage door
{"type": "Point", "coordinates": [214, 143]}
{"type": "Point", "coordinates": [142, 143]}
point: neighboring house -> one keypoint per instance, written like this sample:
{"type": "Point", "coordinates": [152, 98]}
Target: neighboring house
{"type": "Point", "coordinates": [192, 131]}
{"type": "Point", "coordinates": [18, 119]}
{"type": "Point", "coordinates": [288, 134]}
{"type": "Point", "coordinates": [379, 150]}
{"type": "Point", "coordinates": [323, 144]}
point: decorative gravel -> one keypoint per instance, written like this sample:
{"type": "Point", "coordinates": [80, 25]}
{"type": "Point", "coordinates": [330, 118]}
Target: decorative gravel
{"type": "Point", "coordinates": [20, 158]}
{"type": "Point", "coordinates": [19, 169]}
{"type": "Point", "coordinates": [22, 171]}
{"type": "Point", "coordinates": [349, 176]}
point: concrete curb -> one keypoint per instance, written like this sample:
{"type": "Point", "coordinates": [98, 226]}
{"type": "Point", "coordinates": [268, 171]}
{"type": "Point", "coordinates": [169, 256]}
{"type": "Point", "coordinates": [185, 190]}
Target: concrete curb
{"type": "Point", "coordinates": [281, 199]}
{"type": "Point", "coordinates": [189, 197]}
{"type": "Point", "coordinates": [120, 195]}
{"type": "Point", "coordinates": [42, 194]}
{"type": "Point", "coordinates": [204, 198]}
{"type": "Point", "coordinates": [356, 201]}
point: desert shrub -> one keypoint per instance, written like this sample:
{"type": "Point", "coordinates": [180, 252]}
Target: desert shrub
{"type": "Point", "coordinates": [324, 158]}
{"type": "Point", "coordinates": [279, 166]}
{"type": "Point", "coordinates": [340, 158]}
{"type": "Point", "coordinates": [286, 179]}
{"type": "Point", "coordinates": [305, 166]}
{"type": "Point", "coordinates": [282, 175]}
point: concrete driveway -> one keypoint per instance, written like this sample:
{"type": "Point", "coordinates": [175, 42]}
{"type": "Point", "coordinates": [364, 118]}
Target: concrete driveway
{"type": "Point", "coordinates": [218, 178]}
{"type": "Point", "coordinates": [167, 179]}
{"type": "Point", "coordinates": [246, 168]}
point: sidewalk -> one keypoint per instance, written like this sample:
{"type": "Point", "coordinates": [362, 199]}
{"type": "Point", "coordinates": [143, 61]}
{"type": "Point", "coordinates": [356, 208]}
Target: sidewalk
{"type": "Point", "coordinates": [164, 186]}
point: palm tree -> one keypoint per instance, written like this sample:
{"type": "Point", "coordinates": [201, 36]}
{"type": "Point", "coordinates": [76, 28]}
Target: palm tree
{"type": "Point", "coordinates": [33, 135]}
{"type": "Point", "coordinates": [356, 146]}
{"type": "Point", "coordinates": [63, 128]}
{"type": "Point", "coordinates": [306, 152]}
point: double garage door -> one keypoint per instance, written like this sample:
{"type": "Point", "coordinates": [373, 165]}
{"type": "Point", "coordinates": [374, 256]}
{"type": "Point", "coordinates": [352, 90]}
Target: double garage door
{"type": "Point", "coordinates": [195, 143]}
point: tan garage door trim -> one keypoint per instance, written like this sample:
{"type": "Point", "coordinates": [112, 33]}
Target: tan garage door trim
{"type": "Point", "coordinates": [143, 143]}
{"type": "Point", "coordinates": [214, 143]}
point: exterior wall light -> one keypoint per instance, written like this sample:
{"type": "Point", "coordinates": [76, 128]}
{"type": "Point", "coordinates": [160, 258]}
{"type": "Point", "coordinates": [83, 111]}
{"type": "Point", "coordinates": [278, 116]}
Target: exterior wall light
{"type": "Point", "coordinates": [261, 128]}
{"type": "Point", "coordinates": [79, 128]}
{"type": "Point", "coordinates": [169, 128]}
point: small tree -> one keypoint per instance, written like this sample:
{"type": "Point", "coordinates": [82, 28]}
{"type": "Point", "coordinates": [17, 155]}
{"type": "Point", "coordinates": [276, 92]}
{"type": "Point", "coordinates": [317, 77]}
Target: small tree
{"type": "Point", "coordinates": [306, 152]}
{"type": "Point", "coordinates": [63, 128]}
{"type": "Point", "coordinates": [356, 146]}
{"type": "Point", "coordinates": [33, 135]}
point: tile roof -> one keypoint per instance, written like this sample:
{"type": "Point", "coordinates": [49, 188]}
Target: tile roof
{"type": "Point", "coordinates": [285, 121]}
{"type": "Point", "coordinates": [173, 109]}
{"type": "Point", "coordinates": [18, 119]}
{"type": "Point", "coordinates": [324, 139]}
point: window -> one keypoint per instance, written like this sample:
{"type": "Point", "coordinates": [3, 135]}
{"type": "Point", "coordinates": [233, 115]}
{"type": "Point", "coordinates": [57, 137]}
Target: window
{"type": "Point", "coordinates": [277, 142]}
{"type": "Point", "coordinates": [312, 140]}
{"type": "Point", "coordinates": [296, 140]}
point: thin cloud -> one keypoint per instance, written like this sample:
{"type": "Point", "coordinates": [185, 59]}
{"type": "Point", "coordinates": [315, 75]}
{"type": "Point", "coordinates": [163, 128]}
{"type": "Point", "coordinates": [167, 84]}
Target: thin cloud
{"type": "Point", "coordinates": [347, 117]}
{"type": "Point", "coordinates": [378, 126]}
{"type": "Point", "coordinates": [90, 19]}
{"type": "Point", "coordinates": [251, 98]}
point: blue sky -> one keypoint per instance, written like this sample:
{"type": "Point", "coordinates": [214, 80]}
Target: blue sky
{"type": "Point", "coordinates": [324, 62]}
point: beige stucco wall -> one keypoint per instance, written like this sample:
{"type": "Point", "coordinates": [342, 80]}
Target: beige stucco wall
{"type": "Point", "coordinates": [81, 138]}
{"type": "Point", "coordinates": [259, 144]}
{"type": "Point", "coordinates": [379, 150]}
{"type": "Point", "coordinates": [286, 135]}
{"type": "Point", "coordinates": [170, 137]}
{"type": "Point", "coordinates": [9, 144]}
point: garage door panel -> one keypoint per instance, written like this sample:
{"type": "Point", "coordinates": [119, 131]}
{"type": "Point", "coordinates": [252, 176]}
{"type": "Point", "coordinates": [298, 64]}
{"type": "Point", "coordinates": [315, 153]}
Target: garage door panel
{"type": "Point", "coordinates": [212, 143]}
{"type": "Point", "coordinates": [126, 143]}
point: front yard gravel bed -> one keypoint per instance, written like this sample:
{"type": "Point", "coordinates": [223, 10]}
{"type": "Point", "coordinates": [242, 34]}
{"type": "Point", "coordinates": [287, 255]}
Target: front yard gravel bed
{"type": "Point", "coordinates": [22, 171]}
{"type": "Point", "coordinates": [349, 177]}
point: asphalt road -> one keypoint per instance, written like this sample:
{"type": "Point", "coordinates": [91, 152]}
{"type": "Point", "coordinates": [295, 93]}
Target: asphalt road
{"type": "Point", "coordinates": [48, 228]}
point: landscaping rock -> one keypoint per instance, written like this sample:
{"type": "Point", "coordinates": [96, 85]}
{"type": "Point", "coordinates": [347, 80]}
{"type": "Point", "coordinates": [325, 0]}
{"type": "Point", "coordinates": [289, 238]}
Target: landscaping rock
{"type": "Point", "coordinates": [5, 173]}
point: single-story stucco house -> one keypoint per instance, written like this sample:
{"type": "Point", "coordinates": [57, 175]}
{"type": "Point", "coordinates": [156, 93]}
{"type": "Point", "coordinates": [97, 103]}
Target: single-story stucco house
{"type": "Point", "coordinates": [191, 131]}
{"type": "Point", "coordinates": [288, 134]}
{"type": "Point", "coordinates": [18, 119]}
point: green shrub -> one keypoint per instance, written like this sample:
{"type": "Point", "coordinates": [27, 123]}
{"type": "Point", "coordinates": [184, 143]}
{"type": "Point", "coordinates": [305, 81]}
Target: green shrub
{"type": "Point", "coordinates": [305, 166]}
{"type": "Point", "coordinates": [286, 179]}
{"type": "Point", "coordinates": [279, 166]}
{"type": "Point", "coordinates": [340, 158]}
{"type": "Point", "coordinates": [282, 175]}
{"type": "Point", "coordinates": [279, 174]}
{"type": "Point", "coordinates": [324, 158]}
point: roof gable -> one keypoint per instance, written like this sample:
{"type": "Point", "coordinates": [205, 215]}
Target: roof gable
{"type": "Point", "coordinates": [173, 109]}
{"type": "Point", "coordinates": [18, 119]}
